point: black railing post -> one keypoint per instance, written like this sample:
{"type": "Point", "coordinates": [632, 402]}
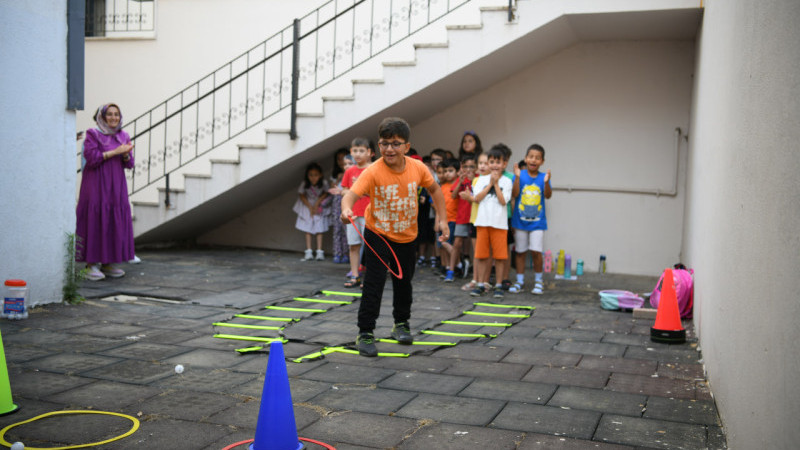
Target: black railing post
{"type": "Point", "coordinates": [166, 197]}
{"type": "Point", "coordinates": [295, 77]}
{"type": "Point", "coordinates": [510, 10]}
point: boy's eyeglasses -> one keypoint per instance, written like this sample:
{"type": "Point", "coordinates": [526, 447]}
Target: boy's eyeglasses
{"type": "Point", "coordinates": [396, 145]}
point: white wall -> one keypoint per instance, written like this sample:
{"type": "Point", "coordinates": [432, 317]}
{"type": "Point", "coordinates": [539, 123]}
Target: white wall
{"type": "Point", "coordinates": [743, 216]}
{"type": "Point", "coordinates": [37, 141]}
{"type": "Point", "coordinates": [606, 114]}
{"type": "Point", "coordinates": [193, 38]}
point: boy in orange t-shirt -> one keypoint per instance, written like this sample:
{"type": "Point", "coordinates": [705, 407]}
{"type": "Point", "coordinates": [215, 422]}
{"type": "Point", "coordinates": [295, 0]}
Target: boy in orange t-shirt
{"type": "Point", "coordinates": [391, 183]}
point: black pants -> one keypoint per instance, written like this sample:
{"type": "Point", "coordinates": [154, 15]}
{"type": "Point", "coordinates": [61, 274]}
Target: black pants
{"type": "Point", "coordinates": [375, 279]}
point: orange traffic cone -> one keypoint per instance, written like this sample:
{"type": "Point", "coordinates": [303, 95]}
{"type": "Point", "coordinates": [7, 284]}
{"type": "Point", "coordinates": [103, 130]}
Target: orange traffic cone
{"type": "Point", "coordinates": [668, 328]}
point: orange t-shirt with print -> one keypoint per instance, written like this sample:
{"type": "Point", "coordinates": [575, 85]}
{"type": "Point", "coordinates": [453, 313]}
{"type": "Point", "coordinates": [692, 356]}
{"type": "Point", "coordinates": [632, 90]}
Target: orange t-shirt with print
{"type": "Point", "coordinates": [450, 203]}
{"type": "Point", "coordinates": [393, 208]}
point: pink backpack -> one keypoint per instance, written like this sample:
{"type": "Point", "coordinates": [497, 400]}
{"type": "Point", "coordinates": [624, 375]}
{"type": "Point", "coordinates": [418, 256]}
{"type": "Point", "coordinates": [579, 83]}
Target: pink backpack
{"type": "Point", "coordinates": [684, 290]}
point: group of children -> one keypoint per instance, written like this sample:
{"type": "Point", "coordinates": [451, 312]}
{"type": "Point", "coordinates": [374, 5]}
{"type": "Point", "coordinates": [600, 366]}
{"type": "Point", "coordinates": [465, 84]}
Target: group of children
{"type": "Point", "coordinates": [399, 207]}
{"type": "Point", "coordinates": [489, 211]}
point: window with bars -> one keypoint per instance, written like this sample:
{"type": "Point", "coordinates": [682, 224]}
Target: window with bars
{"type": "Point", "coordinates": [119, 18]}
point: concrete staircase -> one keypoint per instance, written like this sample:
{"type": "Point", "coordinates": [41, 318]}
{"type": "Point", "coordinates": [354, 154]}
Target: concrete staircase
{"type": "Point", "coordinates": [435, 72]}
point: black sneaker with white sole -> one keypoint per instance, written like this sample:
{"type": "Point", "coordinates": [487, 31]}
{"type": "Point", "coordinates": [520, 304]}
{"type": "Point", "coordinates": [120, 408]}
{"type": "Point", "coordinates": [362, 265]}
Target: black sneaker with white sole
{"type": "Point", "coordinates": [366, 345]}
{"type": "Point", "coordinates": [401, 332]}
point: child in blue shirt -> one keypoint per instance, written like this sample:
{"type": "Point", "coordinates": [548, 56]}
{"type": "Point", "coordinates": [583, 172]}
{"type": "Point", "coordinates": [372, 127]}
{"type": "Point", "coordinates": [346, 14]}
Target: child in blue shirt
{"type": "Point", "coordinates": [529, 218]}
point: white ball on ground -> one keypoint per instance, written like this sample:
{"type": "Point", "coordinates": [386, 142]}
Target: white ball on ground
{"type": "Point", "coordinates": [18, 446]}
{"type": "Point", "coordinates": [179, 369]}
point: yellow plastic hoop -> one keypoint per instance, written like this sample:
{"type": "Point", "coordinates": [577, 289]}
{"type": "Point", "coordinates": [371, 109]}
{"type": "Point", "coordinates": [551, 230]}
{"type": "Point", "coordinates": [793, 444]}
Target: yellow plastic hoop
{"type": "Point", "coordinates": [54, 413]}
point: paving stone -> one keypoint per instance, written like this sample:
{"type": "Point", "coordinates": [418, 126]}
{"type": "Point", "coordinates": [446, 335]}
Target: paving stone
{"type": "Point", "coordinates": [359, 429]}
{"type": "Point", "coordinates": [534, 441]}
{"type": "Point", "coordinates": [599, 400]}
{"type": "Point", "coordinates": [18, 354]}
{"type": "Point", "coordinates": [105, 396]}
{"type": "Point", "coordinates": [40, 385]}
{"type": "Point", "coordinates": [626, 339]}
{"type": "Point", "coordinates": [188, 405]}
{"type": "Point", "coordinates": [346, 373]}
{"type": "Point", "coordinates": [164, 433]}
{"type": "Point", "coordinates": [449, 436]}
{"type": "Point", "coordinates": [480, 369]}
{"type": "Point", "coordinates": [688, 411]}
{"type": "Point", "coordinates": [716, 438]}
{"type": "Point", "coordinates": [444, 408]}
{"type": "Point", "coordinates": [363, 399]}
{"type": "Point", "coordinates": [658, 386]}
{"type": "Point", "coordinates": [520, 331]}
{"type": "Point", "coordinates": [505, 340]}
{"type": "Point", "coordinates": [682, 371]}
{"type": "Point", "coordinates": [426, 382]}
{"type": "Point", "coordinates": [510, 390]}
{"type": "Point", "coordinates": [567, 376]}
{"type": "Point", "coordinates": [663, 352]}
{"type": "Point", "coordinates": [590, 348]}
{"type": "Point", "coordinates": [602, 325]}
{"type": "Point", "coordinates": [147, 351]}
{"type": "Point", "coordinates": [547, 419]}
{"type": "Point", "coordinates": [114, 330]}
{"type": "Point", "coordinates": [211, 359]}
{"type": "Point", "coordinates": [203, 379]}
{"type": "Point", "coordinates": [414, 363]}
{"type": "Point", "coordinates": [544, 358]}
{"type": "Point", "coordinates": [650, 433]}
{"type": "Point", "coordinates": [70, 363]}
{"type": "Point", "coordinates": [474, 352]}
{"type": "Point", "coordinates": [539, 320]}
{"type": "Point", "coordinates": [572, 335]}
{"type": "Point", "coordinates": [132, 371]}
{"type": "Point", "coordinates": [614, 364]}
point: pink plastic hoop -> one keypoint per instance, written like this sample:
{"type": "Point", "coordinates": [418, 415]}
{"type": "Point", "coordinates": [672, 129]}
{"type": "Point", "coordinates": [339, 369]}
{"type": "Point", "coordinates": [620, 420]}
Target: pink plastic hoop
{"type": "Point", "coordinates": [397, 260]}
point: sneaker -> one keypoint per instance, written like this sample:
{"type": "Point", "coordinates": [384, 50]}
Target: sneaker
{"type": "Point", "coordinates": [366, 345]}
{"type": "Point", "coordinates": [469, 286]}
{"type": "Point", "coordinates": [478, 291]}
{"type": "Point", "coordinates": [93, 272]}
{"type": "Point", "coordinates": [111, 271]}
{"type": "Point", "coordinates": [498, 293]}
{"type": "Point", "coordinates": [505, 285]}
{"type": "Point", "coordinates": [449, 276]}
{"type": "Point", "coordinates": [135, 260]}
{"type": "Point", "coordinates": [337, 259]}
{"type": "Point", "coordinates": [402, 333]}
{"type": "Point", "coordinates": [466, 268]}
{"type": "Point", "coordinates": [345, 259]}
{"type": "Point", "coordinates": [320, 255]}
{"type": "Point", "coordinates": [434, 263]}
{"type": "Point", "coordinates": [308, 255]}
{"type": "Point", "coordinates": [421, 261]}
{"type": "Point", "coordinates": [538, 288]}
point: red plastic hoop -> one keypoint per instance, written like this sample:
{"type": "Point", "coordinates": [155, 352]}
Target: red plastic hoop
{"type": "Point", "coordinates": [322, 444]}
{"type": "Point", "coordinates": [397, 260]}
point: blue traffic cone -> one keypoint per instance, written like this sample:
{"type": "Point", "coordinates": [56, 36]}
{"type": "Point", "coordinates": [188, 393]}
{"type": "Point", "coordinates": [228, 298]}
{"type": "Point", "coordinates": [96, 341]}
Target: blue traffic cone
{"type": "Point", "coordinates": [276, 428]}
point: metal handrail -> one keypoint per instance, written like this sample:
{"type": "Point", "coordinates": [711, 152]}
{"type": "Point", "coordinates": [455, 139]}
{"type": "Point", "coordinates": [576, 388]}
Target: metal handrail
{"type": "Point", "coordinates": [271, 76]}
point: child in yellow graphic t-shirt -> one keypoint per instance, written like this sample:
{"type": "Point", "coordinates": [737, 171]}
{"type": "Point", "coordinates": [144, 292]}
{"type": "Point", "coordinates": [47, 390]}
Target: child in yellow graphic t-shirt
{"type": "Point", "coordinates": [391, 182]}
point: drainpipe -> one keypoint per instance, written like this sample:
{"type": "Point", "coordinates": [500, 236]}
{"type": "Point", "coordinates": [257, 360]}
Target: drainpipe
{"type": "Point", "coordinates": [295, 76]}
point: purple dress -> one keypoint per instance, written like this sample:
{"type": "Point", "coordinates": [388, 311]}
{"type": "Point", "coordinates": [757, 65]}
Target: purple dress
{"type": "Point", "coordinates": [104, 225]}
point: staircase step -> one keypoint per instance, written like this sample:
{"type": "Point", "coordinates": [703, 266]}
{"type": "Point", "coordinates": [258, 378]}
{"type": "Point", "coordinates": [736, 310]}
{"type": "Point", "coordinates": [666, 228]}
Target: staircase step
{"type": "Point", "coordinates": [399, 63]}
{"type": "Point", "coordinates": [432, 45]}
{"type": "Point", "coordinates": [338, 99]}
{"type": "Point", "coordinates": [464, 27]}
{"type": "Point", "coordinates": [368, 81]}
{"type": "Point", "coordinates": [224, 161]}
{"type": "Point", "coordinates": [180, 190]}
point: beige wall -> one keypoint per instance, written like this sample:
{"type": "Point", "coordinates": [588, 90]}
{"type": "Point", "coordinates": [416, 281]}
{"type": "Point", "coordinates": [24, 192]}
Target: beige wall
{"type": "Point", "coordinates": [192, 38]}
{"type": "Point", "coordinates": [743, 216]}
{"type": "Point", "coordinates": [606, 114]}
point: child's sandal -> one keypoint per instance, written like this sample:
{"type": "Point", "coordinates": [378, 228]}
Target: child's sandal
{"type": "Point", "coordinates": [515, 288]}
{"type": "Point", "coordinates": [352, 282]}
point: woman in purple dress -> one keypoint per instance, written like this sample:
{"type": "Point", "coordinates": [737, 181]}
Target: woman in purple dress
{"type": "Point", "coordinates": [104, 226]}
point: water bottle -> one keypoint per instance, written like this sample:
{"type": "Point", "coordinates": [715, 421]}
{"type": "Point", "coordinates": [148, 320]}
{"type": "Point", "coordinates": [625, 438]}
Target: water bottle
{"type": "Point", "coordinates": [548, 261]}
{"type": "Point", "coordinates": [602, 267]}
{"type": "Point", "coordinates": [579, 270]}
{"type": "Point", "coordinates": [567, 267]}
{"type": "Point", "coordinates": [560, 266]}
